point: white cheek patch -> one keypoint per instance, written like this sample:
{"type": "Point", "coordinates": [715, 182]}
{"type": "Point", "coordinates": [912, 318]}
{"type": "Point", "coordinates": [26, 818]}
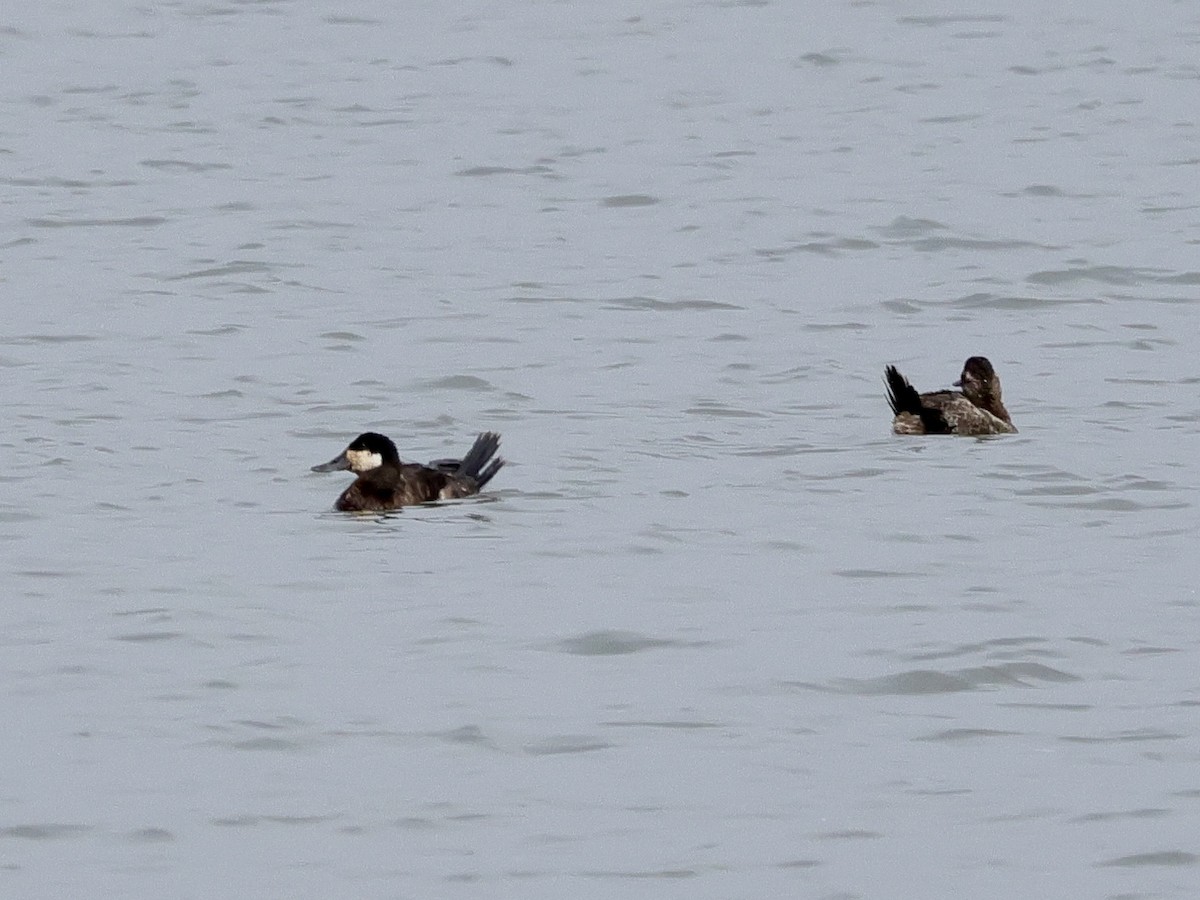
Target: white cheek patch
{"type": "Point", "coordinates": [363, 460]}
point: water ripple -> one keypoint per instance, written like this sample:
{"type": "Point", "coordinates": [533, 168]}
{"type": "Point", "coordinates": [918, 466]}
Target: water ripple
{"type": "Point", "coordinates": [43, 832]}
{"type": "Point", "coordinates": [566, 743]}
{"type": "Point", "coordinates": [612, 643]}
{"type": "Point", "coordinates": [929, 681]}
{"type": "Point", "coordinates": [1159, 858]}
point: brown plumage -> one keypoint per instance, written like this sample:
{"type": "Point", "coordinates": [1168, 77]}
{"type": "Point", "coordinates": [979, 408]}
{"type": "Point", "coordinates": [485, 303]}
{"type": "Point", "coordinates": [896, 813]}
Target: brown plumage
{"type": "Point", "coordinates": [977, 410]}
{"type": "Point", "coordinates": [384, 482]}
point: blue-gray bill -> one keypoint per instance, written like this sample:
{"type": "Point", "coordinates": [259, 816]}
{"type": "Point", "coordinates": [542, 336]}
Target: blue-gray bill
{"type": "Point", "coordinates": [337, 464]}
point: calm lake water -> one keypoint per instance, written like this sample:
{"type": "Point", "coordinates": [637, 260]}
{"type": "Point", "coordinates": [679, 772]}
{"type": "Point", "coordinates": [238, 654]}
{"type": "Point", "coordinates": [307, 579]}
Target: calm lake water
{"type": "Point", "coordinates": [715, 632]}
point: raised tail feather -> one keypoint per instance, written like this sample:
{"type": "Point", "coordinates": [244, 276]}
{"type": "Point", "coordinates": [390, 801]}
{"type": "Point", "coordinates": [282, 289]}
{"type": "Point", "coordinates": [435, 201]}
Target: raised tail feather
{"type": "Point", "coordinates": [476, 463]}
{"type": "Point", "coordinates": [904, 398]}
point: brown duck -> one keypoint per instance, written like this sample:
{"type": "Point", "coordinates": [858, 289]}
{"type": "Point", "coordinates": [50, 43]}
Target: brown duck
{"type": "Point", "coordinates": [384, 482]}
{"type": "Point", "coordinates": [976, 410]}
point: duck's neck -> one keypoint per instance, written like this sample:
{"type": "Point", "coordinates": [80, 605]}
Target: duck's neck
{"type": "Point", "coordinates": [996, 407]}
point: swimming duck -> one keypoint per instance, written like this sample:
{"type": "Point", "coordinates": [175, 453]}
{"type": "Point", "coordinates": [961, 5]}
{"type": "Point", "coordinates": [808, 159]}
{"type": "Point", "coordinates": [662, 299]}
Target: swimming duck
{"type": "Point", "coordinates": [384, 482]}
{"type": "Point", "coordinates": [977, 410]}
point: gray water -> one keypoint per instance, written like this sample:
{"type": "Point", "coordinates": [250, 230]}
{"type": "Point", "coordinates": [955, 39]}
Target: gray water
{"type": "Point", "coordinates": [714, 632]}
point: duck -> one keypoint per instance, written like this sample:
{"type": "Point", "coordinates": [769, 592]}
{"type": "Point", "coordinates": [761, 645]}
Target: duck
{"type": "Point", "coordinates": [385, 483]}
{"type": "Point", "coordinates": [976, 410]}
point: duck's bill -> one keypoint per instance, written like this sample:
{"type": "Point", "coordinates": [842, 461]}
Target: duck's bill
{"type": "Point", "coordinates": [336, 464]}
{"type": "Point", "coordinates": [958, 383]}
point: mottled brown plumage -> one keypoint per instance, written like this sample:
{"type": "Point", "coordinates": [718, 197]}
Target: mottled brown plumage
{"type": "Point", "coordinates": [977, 410]}
{"type": "Point", "coordinates": [384, 482]}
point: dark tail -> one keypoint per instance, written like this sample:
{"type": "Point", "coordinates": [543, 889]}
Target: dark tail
{"type": "Point", "coordinates": [902, 396]}
{"type": "Point", "coordinates": [475, 464]}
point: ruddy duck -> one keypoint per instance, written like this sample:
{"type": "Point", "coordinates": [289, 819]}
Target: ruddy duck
{"type": "Point", "coordinates": [386, 483]}
{"type": "Point", "coordinates": [977, 410]}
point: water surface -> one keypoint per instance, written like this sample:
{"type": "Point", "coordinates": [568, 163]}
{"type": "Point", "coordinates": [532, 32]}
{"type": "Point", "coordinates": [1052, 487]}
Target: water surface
{"type": "Point", "coordinates": [715, 632]}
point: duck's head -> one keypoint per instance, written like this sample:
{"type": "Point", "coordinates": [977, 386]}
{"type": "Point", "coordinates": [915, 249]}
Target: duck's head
{"type": "Point", "coordinates": [366, 452]}
{"type": "Point", "coordinates": [979, 381]}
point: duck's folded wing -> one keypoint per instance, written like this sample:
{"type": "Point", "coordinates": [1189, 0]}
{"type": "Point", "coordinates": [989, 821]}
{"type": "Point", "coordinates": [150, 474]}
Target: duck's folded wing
{"type": "Point", "coordinates": [961, 416]}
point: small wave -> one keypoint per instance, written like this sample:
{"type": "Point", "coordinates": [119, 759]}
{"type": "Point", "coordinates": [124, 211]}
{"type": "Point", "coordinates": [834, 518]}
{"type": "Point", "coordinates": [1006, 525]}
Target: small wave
{"type": "Point", "coordinates": [566, 743]}
{"type": "Point", "coordinates": [129, 222]}
{"type": "Point", "coordinates": [930, 681]}
{"type": "Point", "coordinates": [623, 200]}
{"type": "Point", "coordinates": [460, 383]}
{"type": "Point", "coordinates": [612, 643]}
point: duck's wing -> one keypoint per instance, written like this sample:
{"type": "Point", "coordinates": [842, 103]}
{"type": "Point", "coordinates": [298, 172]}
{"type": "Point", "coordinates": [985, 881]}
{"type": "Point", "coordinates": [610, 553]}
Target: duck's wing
{"type": "Point", "coordinates": [964, 417]}
{"type": "Point", "coordinates": [421, 484]}
{"type": "Point", "coordinates": [449, 466]}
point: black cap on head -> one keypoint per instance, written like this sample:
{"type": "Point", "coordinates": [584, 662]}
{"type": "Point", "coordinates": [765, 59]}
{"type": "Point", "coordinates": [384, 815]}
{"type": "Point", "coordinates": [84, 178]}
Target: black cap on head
{"type": "Point", "coordinates": [373, 442]}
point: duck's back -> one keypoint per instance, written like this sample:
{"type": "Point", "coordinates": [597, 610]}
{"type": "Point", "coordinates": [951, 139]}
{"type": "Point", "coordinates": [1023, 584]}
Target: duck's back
{"type": "Point", "coordinates": [961, 416]}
